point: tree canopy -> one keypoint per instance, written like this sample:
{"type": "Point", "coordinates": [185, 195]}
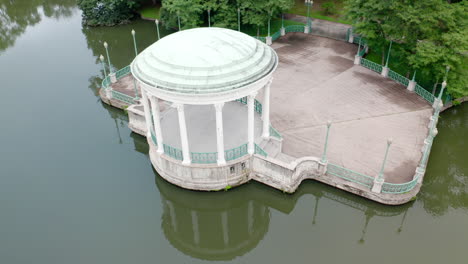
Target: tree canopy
{"type": "Point", "coordinates": [429, 35]}
{"type": "Point", "coordinates": [107, 12]}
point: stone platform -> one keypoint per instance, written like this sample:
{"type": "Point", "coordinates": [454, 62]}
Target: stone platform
{"type": "Point", "coordinates": [316, 81]}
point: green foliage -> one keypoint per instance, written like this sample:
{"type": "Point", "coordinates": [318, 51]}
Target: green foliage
{"type": "Point", "coordinates": [194, 13]}
{"type": "Point", "coordinates": [107, 12]}
{"type": "Point", "coordinates": [429, 35]}
{"type": "Point", "coordinates": [329, 8]}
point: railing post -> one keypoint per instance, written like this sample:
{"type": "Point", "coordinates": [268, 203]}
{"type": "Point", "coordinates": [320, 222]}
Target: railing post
{"type": "Point", "coordinates": [357, 58]}
{"type": "Point", "coordinates": [351, 36]}
{"type": "Point", "coordinates": [385, 68]}
{"type": "Point", "coordinates": [412, 83]}
{"type": "Point", "coordinates": [379, 180]}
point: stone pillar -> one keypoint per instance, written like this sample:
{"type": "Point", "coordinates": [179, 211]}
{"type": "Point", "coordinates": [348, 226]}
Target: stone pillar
{"type": "Point", "coordinates": [384, 71]}
{"type": "Point", "coordinates": [146, 108]}
{"type": "Point", "coordinates": [351, 37]}
{"type": "Point", "coordinates": [357, 60]}
{"type": "Point", "coordinates": [411, 86]}
{"type": "Point", "coordinates": [269, 41]}
{"type": "Point", "coordinates": [183, 134]}
{"type": "Point", "coordinates": [266, 111]}
{"type": "Point", "coordinates": [419, 174]}
{"type": "Point", "coordinates": [113, 78]}
{"type": "Point", "coordinates": [157, 123]}
{"type": "Point", "coordinates": [283, 31]}
{"type": "Point", "coordinates": [251, 123]}
{"type": "Point", "coordinates": [220, 133]}
{"type": "Point", "coordinates": [306, 29]}
{"type": "Point", "coordinates": [377, 187]}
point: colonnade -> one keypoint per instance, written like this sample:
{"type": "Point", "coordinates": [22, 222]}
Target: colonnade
{"type": "Point", "coordinates": [153, 123]}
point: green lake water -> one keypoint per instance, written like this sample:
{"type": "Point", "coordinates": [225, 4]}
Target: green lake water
{"type": "Point", "coordinates": [76, 186]}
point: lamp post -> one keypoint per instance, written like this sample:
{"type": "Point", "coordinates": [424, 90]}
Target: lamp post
{"type": "Point", "coordinates": [103, 65]}
{"type": "Point", "coordinates": [388, 54]}
{"type": "Point", "coordinates": [108, 58]}
{"type": "Point", "coordinates": [209, 18]}
{"type": "Point", "coordinates": [134, 42]}
{"type": "Point", "coordinates": [324, 155]}
{"type": "Point", "coordinates": [238, 19]}
{"type": "Point", "coordinates": [269, 20]}
{"type": "Point", "coordinates": [178, 19]}
{"type": "Point", "coordinates": [359, 47]}
{"type": "Point", "coordinates": [309, 3]}
{"type": "Point", "coordinates": [381, 176]}
{"type": "Point", "coordinates": [157, 28]}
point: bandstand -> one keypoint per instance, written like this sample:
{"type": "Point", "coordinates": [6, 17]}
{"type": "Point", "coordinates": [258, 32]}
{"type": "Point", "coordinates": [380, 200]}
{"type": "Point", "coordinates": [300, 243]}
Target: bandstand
{"type": "Point", "coordinates": [198, 91]}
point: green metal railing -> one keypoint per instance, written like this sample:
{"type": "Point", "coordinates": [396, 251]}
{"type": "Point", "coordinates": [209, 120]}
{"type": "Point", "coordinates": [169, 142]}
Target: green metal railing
{"type": "Point", "coordinates": [257, 104]}
{"type": "Point", "coordinates": [424, 93]}
{"type": "Point", "coordinates": [204, 157]}
{"type": "Point", "coordinates": [260, 151]}
{"type": "Point", "coordinates": [235, 153]}
{"type": "Point", "coordinates": [362, 52]}
{"type": "Point", "coordinates": [274, 133]}
{"type": "Point", "coordinates": [398, 78]}
{"type": "Point", "coordinates": [122, 97]}
{"type": "Point", "coordinates": [173, 152]}
{"type": "Point", "coordinates": [106, 82]}
{"type": "Point", "coordinates": [262, 39]}
{"type": "Point", "coordinates": [399, 188]}
{"type": "Point", "coordinates": [350, 175]}
{"type": "Point", "coordinates": [276, 35]}
{"type": "Point", "coordinates": [371, 65]}
{"type": "Point", "coordinates": [294, 28]}
{"type": "Point", "coordinates": [122, 72]}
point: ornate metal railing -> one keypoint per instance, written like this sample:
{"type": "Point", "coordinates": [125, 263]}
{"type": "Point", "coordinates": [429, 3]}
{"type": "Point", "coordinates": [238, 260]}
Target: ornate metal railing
{"type": "Point", "coordinates": [275, 133]}
{"type": "Point", "coordinates": [424, 93]}
{"type": "Point", "coordinates": [106, 82]}
{"type": "Point", "coordinates": [262, 39]}
{"type": "Point", "coordinates": [260, 151]}
{"type": "Point", "coordinates": [398, 78]}
{"type": "Point", "coordinates": [371, 65]}
{"type": "Point", "coordinates": [294, 28]}
{"type": "Point", "coordinates": [173, 152]}
{"type": "Point", "coordinates": [204, 157]}
{"type": "Point", "coordinates": [399, 188]}
{"type": "Point", "coordinates": [122, 97]}
{"type": "Point", "coordinates": [362, 51]}
{"type": "Point", "coordinates": [276, 35]}
{"type": "Point", "coordinates": [257, 104]}
{"type": "Point", "coordinates": [122, 72]}
{"type": "Point", "coordinates": [235, 153]}
{"type": "Point", "coordinates": [350, 175]}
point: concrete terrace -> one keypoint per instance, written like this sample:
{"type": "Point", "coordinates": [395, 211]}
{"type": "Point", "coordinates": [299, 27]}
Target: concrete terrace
{"type": "Point", "coordinates": [317, 81]}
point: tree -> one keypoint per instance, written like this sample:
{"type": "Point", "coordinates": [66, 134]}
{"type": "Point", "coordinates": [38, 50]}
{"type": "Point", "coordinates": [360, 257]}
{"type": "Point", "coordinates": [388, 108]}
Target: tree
{"type": "Point", "coordinates": [429, 35]}
{"type": "Point", "coordinates": [107, 12]}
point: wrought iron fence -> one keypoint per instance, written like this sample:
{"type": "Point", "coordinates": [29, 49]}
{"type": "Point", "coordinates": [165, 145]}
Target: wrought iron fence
{"type": "Point", "coordinates": [350, 175]}
{"type": "Point", "coordinates": [396, 188]}
{"type": "Point", "coordinates": [204, 157]}
{"type": "Point", "coordinates": [122, 97]}
{"type": "Point", "coordinates": [275, 133]}
{"type": "Point", "coordinates": [371, 65]}
{"type": "Point", "coordinates": [106, 82]}
{"type": "Point", "coordinates": [424, 93]}
{"type": "Point", "coordinates": [173, 152]}
{"type": "Point", "coordinates": [235, 153]}
{"type": "Point", "coordinates": [260, 151]}
{"type": "Point", "coordinates": [276, 35]}
{"type": "Point", "coordinates": [122, 72]}
{"type": "Point", "coordinates": [398, 77]}
{"type": "Point", "coordinates": [257, 104]}
{"type": "Point", "coordinates": [294, 28]}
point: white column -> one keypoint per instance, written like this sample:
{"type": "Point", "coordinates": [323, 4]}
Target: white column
{"type": "Point", "coordinates": [266, 111]}
{"type": "Point", "coordinates": [183, 134]}
{"type": "Point", "coordinates": [146, 108]}
{"type": "Point", "coordinates": [157, 122]}
{"type": "Point", "coordinates": [220, 133]}
{"type": "Point", "coordinates": [250, 123]}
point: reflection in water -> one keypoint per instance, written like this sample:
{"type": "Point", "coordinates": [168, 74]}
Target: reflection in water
{"type": "Point", "coordinates": [446, 181]}
{"type": "Point", "coordinates": [16, 16]}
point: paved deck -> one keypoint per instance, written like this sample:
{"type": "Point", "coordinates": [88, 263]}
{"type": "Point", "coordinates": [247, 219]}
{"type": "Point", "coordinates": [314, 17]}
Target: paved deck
{"type": "Point", "coordinates": [317, 81]}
